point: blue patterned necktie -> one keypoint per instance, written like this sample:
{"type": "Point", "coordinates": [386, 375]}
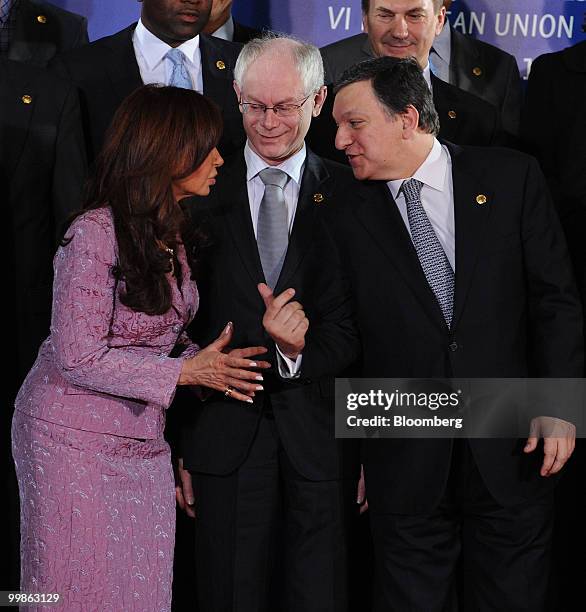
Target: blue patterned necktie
{"type": "Point", "coordinates": [272, 233]}
{"type": "Point", "coordinates": [179, 75]}
{"type": "Point", "coordinates": [5, 6]}
{"type": "Point", "coordinates": [432, 257]}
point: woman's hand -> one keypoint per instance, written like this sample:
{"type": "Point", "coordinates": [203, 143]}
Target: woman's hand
{"type": "Point", "coordinates": [226, 372]}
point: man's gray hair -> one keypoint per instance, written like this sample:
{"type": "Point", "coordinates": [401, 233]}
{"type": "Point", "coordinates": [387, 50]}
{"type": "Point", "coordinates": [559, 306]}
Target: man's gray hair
{"type": "Point", "coordinates": [306, 56]}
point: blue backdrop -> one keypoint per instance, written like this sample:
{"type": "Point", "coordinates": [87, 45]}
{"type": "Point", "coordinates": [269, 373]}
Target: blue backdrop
{"type": "Point", "coordinates": [525, 28]}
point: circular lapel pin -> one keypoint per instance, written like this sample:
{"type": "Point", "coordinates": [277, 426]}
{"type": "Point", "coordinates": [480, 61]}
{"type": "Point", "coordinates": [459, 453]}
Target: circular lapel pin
{"type": "Point", "coordinates": [481, 198]}
{"type": "Point", "coordinates": [477, 71]}
{"type": "Point", "coordinates": [26, 99]}
{"type": "Point", "coordinates": [452, 114]}
{"type": "Point", "coordinates": [220, 65]}
{"type": "Point", "coordinates": [318, 198]}
{"type": "Point", "coordinates": [41, 19]}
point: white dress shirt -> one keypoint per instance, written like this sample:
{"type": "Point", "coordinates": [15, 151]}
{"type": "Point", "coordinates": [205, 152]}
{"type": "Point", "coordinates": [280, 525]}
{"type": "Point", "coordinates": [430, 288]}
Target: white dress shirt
{"type": "Point", "coordinates": [437, 197]}
{"type": "Point", "coordinates": [293, 167]}
{"type": "Point", "coordinates": [440, 53]}
{"type": "Point", "coordinates": [150, 54]}
{"type": "Point", "coordinates": [427, 76]}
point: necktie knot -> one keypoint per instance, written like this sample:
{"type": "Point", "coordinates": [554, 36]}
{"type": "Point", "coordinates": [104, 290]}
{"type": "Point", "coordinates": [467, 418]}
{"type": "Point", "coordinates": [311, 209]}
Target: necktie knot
{"type": "Point", "coordinates": [179, 74]}
{"type": "Point", "coordinates": [175, 56]}
{"type": "Point", "coordinates": [411, 189]}
{"type": "Point", "coordinates": [273, 176]}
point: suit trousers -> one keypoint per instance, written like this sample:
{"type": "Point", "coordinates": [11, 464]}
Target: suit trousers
{"type": "Point", "coordinates": [268, 539]}
{"type": "Point", "coordinates": [499, 555]}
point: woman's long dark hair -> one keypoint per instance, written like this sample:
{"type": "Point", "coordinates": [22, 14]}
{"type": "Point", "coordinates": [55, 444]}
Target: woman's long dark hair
{"type": "Point", "coordinates": [158, 135]}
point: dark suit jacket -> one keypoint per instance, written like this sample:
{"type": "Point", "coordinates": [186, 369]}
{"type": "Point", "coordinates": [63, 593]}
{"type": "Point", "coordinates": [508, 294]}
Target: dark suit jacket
{"type": "Point", "coordinates": [516, 314]}
{"type": "Point", "coordinates": [42, 168]}
{"type": "Point", "coordinates": [219, 431]}
{"type": "Point", "coordinates": [106, 72]}
{"type": "Point", "coordinates": [489, 73]}
{"type": "Point", "coordinates": [557, 88]}
{"type": "Point", "coordinates": [242, 33]}
{"type": "Point", "coordinates": [38, 41]}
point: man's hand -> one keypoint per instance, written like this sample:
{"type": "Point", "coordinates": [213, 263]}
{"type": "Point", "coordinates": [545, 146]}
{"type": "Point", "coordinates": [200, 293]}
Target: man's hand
{"type": "Point", "coordinates": [284, 321]}
{"type": "Point", "coordinates": [184, 490]}
{"type": "Point", "coordinates": [559, 441]}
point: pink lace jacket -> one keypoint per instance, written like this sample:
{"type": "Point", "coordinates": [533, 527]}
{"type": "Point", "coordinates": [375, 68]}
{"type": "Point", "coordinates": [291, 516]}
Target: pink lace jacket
{"type": "Point", "coordinates": [105, 368]}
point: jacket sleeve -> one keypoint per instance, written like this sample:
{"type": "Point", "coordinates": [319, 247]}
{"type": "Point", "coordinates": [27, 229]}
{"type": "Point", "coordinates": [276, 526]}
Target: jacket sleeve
{"type": "Point", "coordinates": [83, 307]}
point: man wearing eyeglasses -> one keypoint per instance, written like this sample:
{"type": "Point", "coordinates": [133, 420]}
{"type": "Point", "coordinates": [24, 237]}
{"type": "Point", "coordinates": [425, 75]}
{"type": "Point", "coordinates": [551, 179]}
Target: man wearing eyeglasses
{"type": "Point", "coordinates": [269, 484]}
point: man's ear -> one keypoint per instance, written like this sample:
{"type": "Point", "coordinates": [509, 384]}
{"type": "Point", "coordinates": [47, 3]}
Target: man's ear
{"type": "Point", "coordinates": [441, 20]}
{"type": "Point", "coordinates": [237, 90]}
{"type": "Point", "coordinates": [319, 99]}
{"type": "Point", "coordinates": [410, 119]}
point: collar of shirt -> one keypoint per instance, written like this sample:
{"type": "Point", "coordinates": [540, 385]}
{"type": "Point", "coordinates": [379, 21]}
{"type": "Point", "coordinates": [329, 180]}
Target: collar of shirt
{"type": "Point", "coordinates": [226, 30]}
{"type": "Point", "coordinates": [153, 49]}
{"type": "Point", "coordinates": [442, 44]}
{"type": "Point", "coordinates": [432, 171]}
{"type": "Point", "coordinates": [427, 75]}
{"type": "Point", "coordinates": [292, 166]}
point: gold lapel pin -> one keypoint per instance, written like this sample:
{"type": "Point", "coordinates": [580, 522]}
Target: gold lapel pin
{"type": "Point", "coordinates": [477, 71]}
{"type": "Point", "coordinates": [480, 199]}
{"type": "Point", "coordinates": [318, 198]}
{"type": "Point", "coordinates": [26, 99]}
{"type": "Point", "coordinates": [452, 114]}
{"type": "Point", "coordinates": [41, 19]}
{"type": "Point", "coordinates": [220, 65]}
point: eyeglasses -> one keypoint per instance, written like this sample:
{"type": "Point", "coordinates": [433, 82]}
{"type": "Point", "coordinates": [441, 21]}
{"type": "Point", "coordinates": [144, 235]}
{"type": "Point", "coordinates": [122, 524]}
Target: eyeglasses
{"type": "Point", "coordinates": [280, 110]}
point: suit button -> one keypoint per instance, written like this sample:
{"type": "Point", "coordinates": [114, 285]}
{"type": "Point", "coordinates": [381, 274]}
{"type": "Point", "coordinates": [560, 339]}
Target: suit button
{"type": "Point", "coordinates": [177, 328]}
{"type": "Point", "coordinates": [453, 347]}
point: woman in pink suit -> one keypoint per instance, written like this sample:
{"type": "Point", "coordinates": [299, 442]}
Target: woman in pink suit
{"type": "Point", "coordinates": [96, 485]}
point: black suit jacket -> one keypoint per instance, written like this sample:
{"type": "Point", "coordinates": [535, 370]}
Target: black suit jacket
{"type": "Point", "coordinates": [44, 30]}
{"type": "Point", "coordinates": [42, 168]}
{"type": "Point", "coordinates": [106, 72]}
{"type": "Point", "coordinates": [516, 314]}
{"type": "Point", "coordinates": [489, 73]}
{"type": "Point", "coordinates": [219, 431]}
{"type": "Point", "coordinates": [557, 88]}
{"type": "Point", "coordinates": [243, 33]}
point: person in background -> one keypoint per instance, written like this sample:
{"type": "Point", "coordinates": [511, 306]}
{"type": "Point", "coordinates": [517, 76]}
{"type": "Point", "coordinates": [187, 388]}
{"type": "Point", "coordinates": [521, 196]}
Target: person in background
{"type": "Point", "coordinates": [481, 69]}
{"type": "Point", "coordinates": [42, 170]}
{"type": "Point", "coordinates": [221, 24]}
{"type": "Point", "coordinates": [34, 31]}
{"type": "Point", "coordinates": [94, 472]}
{"type": "Point", "coordinates": [166, 47]}
{"type": "Point", "coordinates": [407, 28]}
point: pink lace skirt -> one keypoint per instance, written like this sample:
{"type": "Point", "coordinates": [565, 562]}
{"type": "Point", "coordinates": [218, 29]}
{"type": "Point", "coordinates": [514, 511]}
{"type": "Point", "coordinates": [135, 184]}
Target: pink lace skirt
{"type": "Point", "coordinates": [97, 517]}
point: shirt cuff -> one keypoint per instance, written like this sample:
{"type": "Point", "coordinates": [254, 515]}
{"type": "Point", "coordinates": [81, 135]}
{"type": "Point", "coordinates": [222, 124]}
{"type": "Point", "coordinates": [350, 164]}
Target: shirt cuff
{"type": "Point", "coordinates": [288, 368]}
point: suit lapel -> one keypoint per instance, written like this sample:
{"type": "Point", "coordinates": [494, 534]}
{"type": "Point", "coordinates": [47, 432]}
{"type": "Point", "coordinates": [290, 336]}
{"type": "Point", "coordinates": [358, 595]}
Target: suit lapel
{"type": "Point", "coordinates": [235, 195]}
{"type": "Point", "coordinates": [463, 58]}
{"type": "Point", "coordinates": [312, 188]}
{"type": "Point", "coordinates": [471, 217]}
{"type": "Point", "coordinates": [216, 72]}
{"type": "Point", "coordinates": [19, 114]}
{"type": "Point", "coordinates": [123, 71]}
{"type": "Point", "coordinates": [380, 216]}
